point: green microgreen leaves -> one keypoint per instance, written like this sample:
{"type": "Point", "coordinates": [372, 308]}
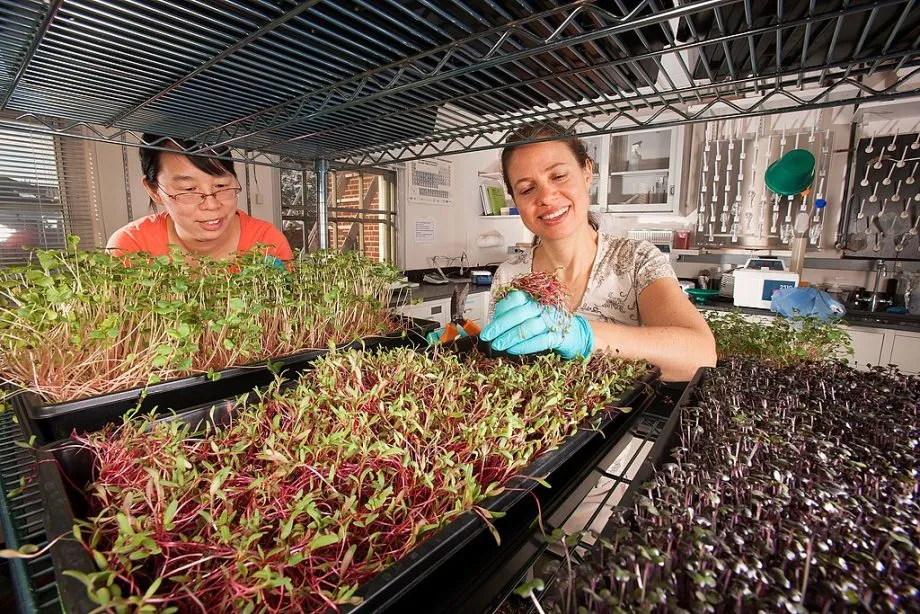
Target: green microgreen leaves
{"type": "Point", "coordinates": [781, 341]}
{"type": "Point", "coordinates": [77, 324]}
{"type": "Point", "coordinates": [323, 482]}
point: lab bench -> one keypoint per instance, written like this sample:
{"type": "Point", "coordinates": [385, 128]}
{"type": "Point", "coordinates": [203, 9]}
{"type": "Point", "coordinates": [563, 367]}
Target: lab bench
{"type": "Point", "coordinates": [876, 338]}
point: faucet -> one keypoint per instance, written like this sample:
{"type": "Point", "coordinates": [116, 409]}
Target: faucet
{"type": "Point", "coordinates": [880, 271]}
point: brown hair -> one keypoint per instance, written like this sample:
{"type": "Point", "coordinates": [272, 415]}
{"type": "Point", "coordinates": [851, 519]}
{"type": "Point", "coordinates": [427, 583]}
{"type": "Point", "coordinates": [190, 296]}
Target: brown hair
{"type": "Point", "coordinates": [545, 131]}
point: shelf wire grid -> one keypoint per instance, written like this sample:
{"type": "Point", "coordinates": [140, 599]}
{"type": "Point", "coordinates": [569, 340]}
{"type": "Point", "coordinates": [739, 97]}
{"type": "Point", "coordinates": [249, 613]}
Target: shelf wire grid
{"type": "Point", "coordinates": [22, 516]}
{"type": "Point", "coordinates": [367, 83]}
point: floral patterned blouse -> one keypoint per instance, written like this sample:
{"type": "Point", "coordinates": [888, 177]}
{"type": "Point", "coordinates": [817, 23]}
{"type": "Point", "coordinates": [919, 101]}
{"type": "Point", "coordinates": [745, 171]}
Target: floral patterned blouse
{"type": "Point", "coordinates": [622, 269]}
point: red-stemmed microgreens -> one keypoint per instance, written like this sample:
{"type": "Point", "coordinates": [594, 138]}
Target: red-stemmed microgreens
{"type": "Point", "coordinates": [545, 288]}
{"type": "Point", "coordinates": [320, 484]}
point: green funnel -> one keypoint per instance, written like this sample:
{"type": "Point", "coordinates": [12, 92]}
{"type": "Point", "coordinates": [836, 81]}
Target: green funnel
{"type": "Point", "coordinates": [791, 174]}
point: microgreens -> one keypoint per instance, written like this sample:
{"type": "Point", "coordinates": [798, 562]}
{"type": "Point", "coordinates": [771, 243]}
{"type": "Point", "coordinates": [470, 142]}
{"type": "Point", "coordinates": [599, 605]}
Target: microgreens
{"type": "Point", "coordinates": [545, 288]}
{"type": "Point", "coordinates": [76, 324]}
{"type": "Point", "coordinates": [793, 488]}
{"type": "Point", "coordinates": [320, 484]}
{"type": "Point", "coordinates": [781, 341]}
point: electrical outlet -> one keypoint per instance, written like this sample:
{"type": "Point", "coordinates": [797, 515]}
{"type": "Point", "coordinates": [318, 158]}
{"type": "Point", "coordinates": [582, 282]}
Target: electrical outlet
{"type": "Point", "coordinates": [258, 198]}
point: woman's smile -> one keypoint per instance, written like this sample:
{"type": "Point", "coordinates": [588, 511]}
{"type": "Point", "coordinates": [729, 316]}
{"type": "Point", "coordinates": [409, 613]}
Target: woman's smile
{"type": "Point", "coordinates": [556, 216]}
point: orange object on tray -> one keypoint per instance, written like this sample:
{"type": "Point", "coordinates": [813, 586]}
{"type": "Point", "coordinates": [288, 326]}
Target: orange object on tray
{"type": "Point", "coordinates": [457, 321]}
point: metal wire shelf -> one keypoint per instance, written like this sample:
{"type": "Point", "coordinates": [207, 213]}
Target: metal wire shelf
{"type": "Point", "coordinates": [33, 124]}
{"type": "Point", "coordinates": [367, 83]}
{"type": "Point", "coordinates": [22, 516]}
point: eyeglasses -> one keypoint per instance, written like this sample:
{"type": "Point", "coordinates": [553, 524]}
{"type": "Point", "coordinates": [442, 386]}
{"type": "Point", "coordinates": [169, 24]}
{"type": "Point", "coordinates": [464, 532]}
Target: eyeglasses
{"type": "Point", "coordinates": [193, 199]}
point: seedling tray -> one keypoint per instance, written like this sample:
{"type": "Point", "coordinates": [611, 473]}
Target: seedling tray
{"type": "Point", "coordinates": [57, 421]}
{"type": "Point", "coordinates": [65, 470]}
{"type": "Point", "coordinates": [394, 584]}
{"type": "Point", "coordinates": [664, 445]}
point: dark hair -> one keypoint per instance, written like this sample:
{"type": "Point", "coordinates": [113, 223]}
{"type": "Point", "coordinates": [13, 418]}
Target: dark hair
{"type": "Point", "coordinates": [545, 130]}
{"type": "Point", "coordinates": [150, 158]}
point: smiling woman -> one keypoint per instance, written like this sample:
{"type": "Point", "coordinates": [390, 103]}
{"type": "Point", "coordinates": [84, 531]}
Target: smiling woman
{"type": "Point", "coordinates": [198, 195]}
{"type": "Point", "coordinates": [623, 293]}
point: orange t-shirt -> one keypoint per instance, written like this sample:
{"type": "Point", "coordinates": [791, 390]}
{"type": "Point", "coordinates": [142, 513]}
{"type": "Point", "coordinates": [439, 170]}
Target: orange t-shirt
{"type": "Point", "coordinates": [149, 234]}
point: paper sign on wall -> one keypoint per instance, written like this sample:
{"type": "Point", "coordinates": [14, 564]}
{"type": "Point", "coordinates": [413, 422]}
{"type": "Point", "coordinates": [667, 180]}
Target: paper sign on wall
{"type": "Point", "coordinates": [425, 230]}
{"type": "Point", "coordinates": [430, 182]}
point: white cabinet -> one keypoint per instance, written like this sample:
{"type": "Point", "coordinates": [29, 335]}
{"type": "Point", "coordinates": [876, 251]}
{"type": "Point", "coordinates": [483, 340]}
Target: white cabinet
{"type": "Point", "coordinates": [437, 310]}
{"type": "Point", "coordinates": [905, 352]}
{"type": "Point", "coordinates": [882, 346]}
{"type": "Point", "coordinates": [476, 307]}
{"type": "Point", "coordinates": [867, 346]}
{"type": "Point", "coordinates": [638, 172]}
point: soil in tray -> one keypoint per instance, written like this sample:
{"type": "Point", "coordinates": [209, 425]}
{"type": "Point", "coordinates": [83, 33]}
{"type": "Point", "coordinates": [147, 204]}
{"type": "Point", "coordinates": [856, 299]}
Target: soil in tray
{"type": "Point", "coordinates": [419, 467]}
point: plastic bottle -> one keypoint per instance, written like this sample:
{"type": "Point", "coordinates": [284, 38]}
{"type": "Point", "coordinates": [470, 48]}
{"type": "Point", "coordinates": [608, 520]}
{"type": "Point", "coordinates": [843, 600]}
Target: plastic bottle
{"type": "Point", "coordinates": [912, 296]}
{"type": "Point", "coordinates": [727, 283]}
{"type": "Point", "coordinates": [716, 279]}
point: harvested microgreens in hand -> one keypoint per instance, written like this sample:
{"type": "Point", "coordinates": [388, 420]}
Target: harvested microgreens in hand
{"type": "Point", "coordinates": [545, 288]}
{"type": "Point", "coordinates": [321, 484]}
{"type": "Point", "coordinates": [76, 324]}
{"type": "Point", "coordinates": [781, 341]}
{"type": "Point", "coordinates": [794, 488]}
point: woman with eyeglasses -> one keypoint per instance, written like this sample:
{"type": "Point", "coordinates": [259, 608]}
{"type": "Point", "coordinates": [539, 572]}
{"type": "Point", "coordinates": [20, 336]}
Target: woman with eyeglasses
{"type": "Point", "coordinates": [623, 293]}
{"type": "Point", "coordinates": [199, 199]}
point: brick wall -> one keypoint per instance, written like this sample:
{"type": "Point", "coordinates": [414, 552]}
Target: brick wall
{"type": "Point", "coordinates": [350, 198]}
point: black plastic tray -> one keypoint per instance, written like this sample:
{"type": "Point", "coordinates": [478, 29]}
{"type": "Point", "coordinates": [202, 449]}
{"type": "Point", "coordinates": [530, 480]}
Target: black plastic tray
{"type": "Point", "coordinates": [57, 421]}
{"type": "Point", "coordinates": [664, 445]}
{"type": "Point", "coordinates": [394, 583]}
{"type": "Point", "coordinates": [65, 470]}
{"type": "Point", "coordinates": [662, 416]}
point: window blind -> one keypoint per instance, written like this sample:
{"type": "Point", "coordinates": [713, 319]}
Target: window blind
{"type": "Point", "coordinates": [47, 192]}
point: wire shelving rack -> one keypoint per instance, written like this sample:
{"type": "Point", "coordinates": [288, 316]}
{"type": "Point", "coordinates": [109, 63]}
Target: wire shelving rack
{"type": "Point", "coordinates": [366, 83]}
{"type": "Point", "coordinates": [373, 82]}
{"type": "Point", "coordinates": [22, 517]}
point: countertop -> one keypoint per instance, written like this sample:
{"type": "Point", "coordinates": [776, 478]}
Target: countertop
{"type": "Point", "coordinates": [852, 318]}
{"type": "Point", "coordinates": [433, 292]}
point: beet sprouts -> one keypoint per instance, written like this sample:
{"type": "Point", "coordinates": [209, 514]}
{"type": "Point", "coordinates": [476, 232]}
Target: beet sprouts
{"type": "Point", "coordinates": [319, 485]}
{"type": "Point", "coordinates": [544, 287]}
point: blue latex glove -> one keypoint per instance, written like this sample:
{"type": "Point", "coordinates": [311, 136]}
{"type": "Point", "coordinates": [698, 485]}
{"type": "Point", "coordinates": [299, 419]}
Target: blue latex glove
{"type": "Point", "coordinates": [806, 301]}
{"type": "Point", "coordinates": [521, 325]}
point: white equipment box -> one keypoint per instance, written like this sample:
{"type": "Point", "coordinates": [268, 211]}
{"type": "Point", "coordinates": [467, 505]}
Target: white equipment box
{"type": "Point", "coordinates": [759, 279]}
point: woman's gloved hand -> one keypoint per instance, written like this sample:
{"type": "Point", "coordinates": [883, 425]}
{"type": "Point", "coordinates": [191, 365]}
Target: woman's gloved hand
{"type": "Point", "coordinates": [521, 325]}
